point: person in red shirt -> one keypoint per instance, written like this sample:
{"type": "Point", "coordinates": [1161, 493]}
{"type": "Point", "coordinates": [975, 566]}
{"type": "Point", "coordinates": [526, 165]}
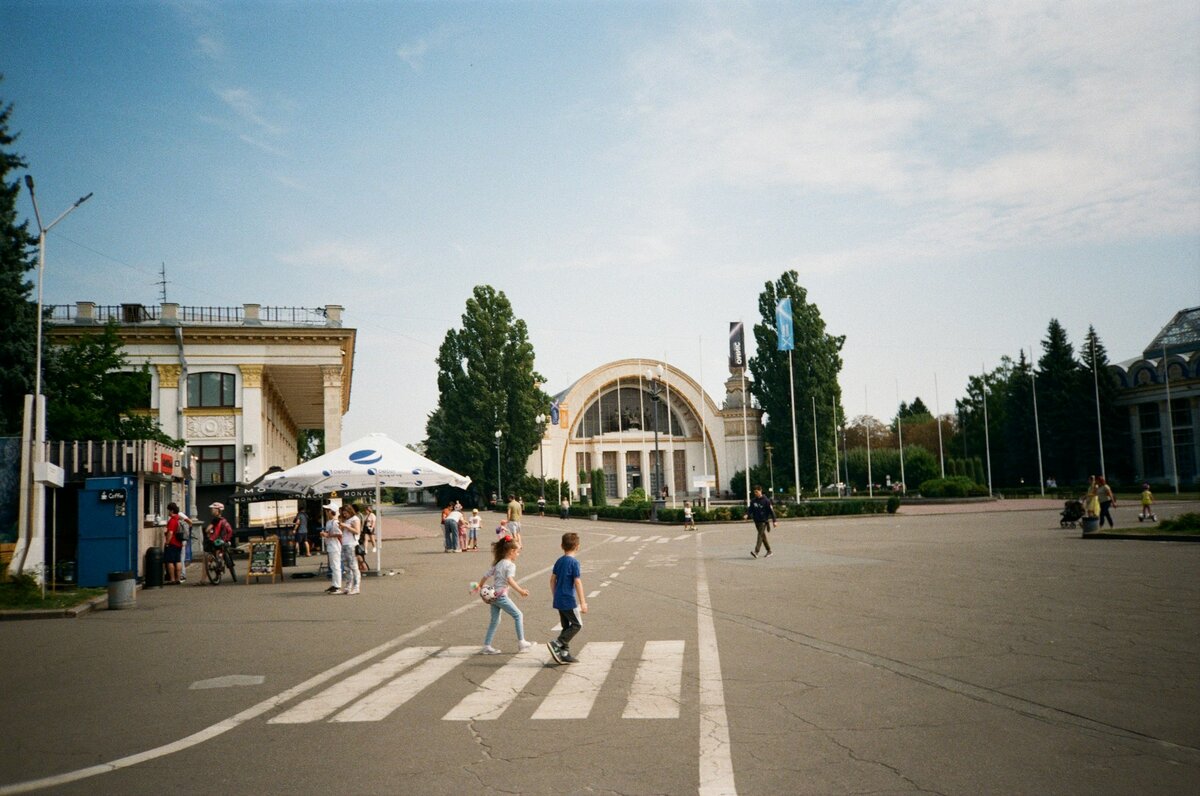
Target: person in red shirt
{"type": "Point", "coordinates": [177, 534]}
{"type": "Point", "coordinates": [220, 536]}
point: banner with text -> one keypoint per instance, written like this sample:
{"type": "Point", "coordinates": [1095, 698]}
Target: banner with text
{"type": "Point", "coordinates": [737, 345]}
{"type": "Point", "coordinates": [783, 324]}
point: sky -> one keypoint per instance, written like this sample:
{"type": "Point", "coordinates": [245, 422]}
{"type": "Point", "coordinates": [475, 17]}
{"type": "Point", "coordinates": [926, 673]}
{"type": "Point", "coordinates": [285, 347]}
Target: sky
{"type": "Point", "coordinates": [945, 177]}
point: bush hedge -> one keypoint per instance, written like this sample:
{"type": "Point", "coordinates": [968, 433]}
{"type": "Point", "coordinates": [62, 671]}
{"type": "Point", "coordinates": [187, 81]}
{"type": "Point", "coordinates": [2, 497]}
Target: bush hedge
{"type": "Point", "coordinates": [956, 486]}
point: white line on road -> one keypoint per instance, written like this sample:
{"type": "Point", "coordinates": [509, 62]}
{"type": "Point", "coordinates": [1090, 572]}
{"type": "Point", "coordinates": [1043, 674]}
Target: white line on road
{"type": "Point", "coordinates": [496, 693]}
{"type": "Point", "coordinates": [716, 759]}
{"type": "Point", "coordinates": [346, 691]}
{"type": "Point", "coordinates": [379, 704]}
{"type": "Point", "coordinates": [575, 692]}
{"type": "Point", "coordinates": [657, 683]}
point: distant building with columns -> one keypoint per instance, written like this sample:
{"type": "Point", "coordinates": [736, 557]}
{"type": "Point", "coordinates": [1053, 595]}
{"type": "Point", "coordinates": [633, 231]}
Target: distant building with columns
{"type": "Point", "coordinates": [1164, 435]}
{"type": "Point", "coordinates": [238, 384]}
{"type": "Point", "coordinates": [607, 420]}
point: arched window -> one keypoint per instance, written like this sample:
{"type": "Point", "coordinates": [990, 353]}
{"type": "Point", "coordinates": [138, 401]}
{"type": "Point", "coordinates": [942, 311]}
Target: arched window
{"type": "Point", "coordinates": [211, 389]}
{"type": "Point", "coordinates": [630, 409]}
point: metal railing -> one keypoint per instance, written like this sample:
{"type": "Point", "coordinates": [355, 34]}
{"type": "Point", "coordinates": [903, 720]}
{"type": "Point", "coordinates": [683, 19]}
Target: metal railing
{"type": "Point", "coordinates": [129, 314]}
{"type": "Point", "coordinates": [87, 458]}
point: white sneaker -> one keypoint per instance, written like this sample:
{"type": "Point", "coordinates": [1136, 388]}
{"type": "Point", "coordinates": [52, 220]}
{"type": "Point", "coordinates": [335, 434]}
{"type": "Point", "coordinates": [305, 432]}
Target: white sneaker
{"type": "Point", "coordinates": [488, 649]}
{"type": "Point", "coordinates": [353, 591]}
{"type": "Point", "coordinates": [523, 645]}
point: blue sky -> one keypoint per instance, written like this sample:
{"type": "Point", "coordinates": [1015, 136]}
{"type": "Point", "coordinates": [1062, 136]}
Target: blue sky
{"type": "Point", "coordinates": [945, 177]}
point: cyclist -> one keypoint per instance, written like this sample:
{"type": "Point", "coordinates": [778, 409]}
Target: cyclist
{"type": "Point", "coordinates": [219, 537]}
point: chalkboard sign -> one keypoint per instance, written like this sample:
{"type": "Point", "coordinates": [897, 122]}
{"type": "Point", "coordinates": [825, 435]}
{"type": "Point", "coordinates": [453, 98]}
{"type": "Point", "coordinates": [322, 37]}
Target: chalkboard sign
{"type": "Point", "coordinates": [264, 560]}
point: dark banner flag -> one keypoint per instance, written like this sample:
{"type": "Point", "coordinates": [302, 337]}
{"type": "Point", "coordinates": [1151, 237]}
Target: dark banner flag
{"type": "Point", "coordinates": [737, 345]}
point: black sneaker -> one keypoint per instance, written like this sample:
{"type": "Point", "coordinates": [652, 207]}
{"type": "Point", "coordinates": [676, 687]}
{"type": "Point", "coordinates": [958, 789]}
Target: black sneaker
{"type": "Point", "coordinates": [566, 657]}
{"type": "Point", "coordinates": [754, 554]}
{"type": "Point", "coordinates": [556, 652]}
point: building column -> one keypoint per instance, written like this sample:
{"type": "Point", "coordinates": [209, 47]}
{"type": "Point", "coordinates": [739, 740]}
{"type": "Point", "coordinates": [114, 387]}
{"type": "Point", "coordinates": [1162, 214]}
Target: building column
{"type": "Point", "coordinates": [169, 419]}
{"type": "Point", "coordinates": [1135, 434]}
{"type": "Point", "coordinates": [331, 376]}
{"type": "Point", "coordinates": [252, 452]}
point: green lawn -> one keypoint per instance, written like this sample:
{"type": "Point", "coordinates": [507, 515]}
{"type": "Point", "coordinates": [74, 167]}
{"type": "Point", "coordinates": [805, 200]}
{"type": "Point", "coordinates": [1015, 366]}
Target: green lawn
{"type": "Point", "coordinates": [23, 595]}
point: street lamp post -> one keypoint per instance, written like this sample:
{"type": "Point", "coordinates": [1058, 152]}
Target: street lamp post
{"type": "Point", "coordinates": [499, 484]}
{"type": "Point", "coordinates": [771, 467]}
{"type": "Point", "coordinates": [540, 419]}
{"type": "Point", "coordinates": [655, 390]}
{"type": "Point", "coordinates": [35, 509]}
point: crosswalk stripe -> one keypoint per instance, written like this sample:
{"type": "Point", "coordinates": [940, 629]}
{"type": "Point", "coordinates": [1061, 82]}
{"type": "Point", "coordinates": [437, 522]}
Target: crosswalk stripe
{"type": "Point", "coordinates": [663, 540]}
{"type": "Point", "coordinates": [681, 537]}
{"type": "Point", "coordinates": [656, 685]}
{"type": "Point", "coordinates": [619, 539]}
{"type": "Point", "coordinates": [651, 538]}
{"type": "Point", "coordinates": [497, 692]}
{"type": "Point", "coordinates": [633, 538]}
{"type": "Point", "coordinates": [346, 691]}
{"type": "Point", "coordinates": [379, 704]}
{"type": "Point", "coordinates": [575, 692]}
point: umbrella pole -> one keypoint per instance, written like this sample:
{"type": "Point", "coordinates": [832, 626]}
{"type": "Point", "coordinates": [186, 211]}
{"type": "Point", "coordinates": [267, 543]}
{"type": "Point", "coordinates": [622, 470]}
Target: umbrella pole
{"type": "Point", "coordinates": [378, 530]}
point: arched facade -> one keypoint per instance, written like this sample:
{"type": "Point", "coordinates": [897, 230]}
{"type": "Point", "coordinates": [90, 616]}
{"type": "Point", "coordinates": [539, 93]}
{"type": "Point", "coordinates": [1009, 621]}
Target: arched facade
{"type": "Point", "coordinates": [608, 420]}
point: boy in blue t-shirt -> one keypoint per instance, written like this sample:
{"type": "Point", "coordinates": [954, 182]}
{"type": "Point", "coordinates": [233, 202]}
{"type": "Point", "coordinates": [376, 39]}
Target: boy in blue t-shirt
{"type": "Point", "coordinates": [567, 587]}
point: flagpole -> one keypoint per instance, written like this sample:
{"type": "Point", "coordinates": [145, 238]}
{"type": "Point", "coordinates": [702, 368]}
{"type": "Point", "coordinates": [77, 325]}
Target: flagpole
{"type": "Point", "coordinates": [1037, 431]}
{"type": "Point", "coordinates": [987, 442]}
{"type": "Point", "coordinates": [1170, 421]}
{"type": "Point", "coordinates": [837, 464]}
{"type": "Point", "coordinates": [816, 450]}
{"type": "Point", "coordinates": [745, 424]}
{"type": "Point", "coordinates": [378, 528]}
{"type": "Point", "coordinates": [795, 443]}
{"type": "Point", "coordinates": [937, 407]}
{"type": "Point", "coordinates": [867, 422]}
{"type": "Point", "coordinates": [1096, 385]}
{"type": "Point", "coordinates": [703, 424]}
{"type": "Point", "coordinates": [900, 437]}
{"type": "Point", "coordinates": [670, 434]}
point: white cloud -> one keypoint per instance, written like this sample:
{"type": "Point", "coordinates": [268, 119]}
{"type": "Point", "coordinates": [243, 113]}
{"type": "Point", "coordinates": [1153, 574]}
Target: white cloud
{"type": "Point", "coordinates": [247, 107]}
{"type": "Point", "coordinates": [978, 125]}
{"type": "Point", "coordinates": [341, 258]}
{"type": "Point", "coordinates": [413, 53]}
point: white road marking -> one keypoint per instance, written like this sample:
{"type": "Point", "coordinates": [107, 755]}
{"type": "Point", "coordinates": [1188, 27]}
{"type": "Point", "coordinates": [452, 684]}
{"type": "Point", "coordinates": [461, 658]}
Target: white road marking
{"type": "Point", "coordinates": [590, 596]}
{"type": "Point", "coordinates": [681, 537]}
{"type": "Point", "coordinates": [716, 759]}
{"type": "Point", "coordinates": [664, 540]}
{"type": "Point", "coordinates": [346, 691]}
{"type": "Point", "coordinates": [650, 539]}
{"type": "Point", "coordinates": [633, 538]}
{"type": "Point", "coordinates": [496, 693]}
{"type": "Point", "coordinates": [228, 681]}
{"type": "Point", "coordinates": [618, 539]}
{"type": "Point", "coordinates": [575, 692]}
{"type": "Point", "coordinates": [615, 574]}
{"type": "Point", "coordinates": [380, 703]}
{"type": "Point", "coordinates": [657, 683]}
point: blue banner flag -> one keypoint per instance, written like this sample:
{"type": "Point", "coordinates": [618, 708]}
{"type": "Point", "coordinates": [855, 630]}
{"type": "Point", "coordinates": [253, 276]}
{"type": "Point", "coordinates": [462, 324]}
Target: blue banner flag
{"type": "Point", "coordinates": [783, 324]}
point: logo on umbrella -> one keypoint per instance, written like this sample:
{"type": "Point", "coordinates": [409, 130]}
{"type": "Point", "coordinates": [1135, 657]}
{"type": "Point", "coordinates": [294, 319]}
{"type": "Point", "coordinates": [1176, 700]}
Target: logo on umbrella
{"type": "Point", "coordinates": [366, 457]}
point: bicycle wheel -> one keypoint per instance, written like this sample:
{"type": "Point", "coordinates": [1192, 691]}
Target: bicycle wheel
{"type": "Point", "coordinates": [213, 568]}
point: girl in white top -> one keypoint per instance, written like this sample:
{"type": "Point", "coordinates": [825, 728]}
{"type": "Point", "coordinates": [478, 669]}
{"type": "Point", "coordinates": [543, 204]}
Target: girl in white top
{"type": "Point", "coordinates": [350, 527]}
{"type": "Point", "coordinates": [473, 526]}
{"type": "Point", "coordinates": [504, 577]}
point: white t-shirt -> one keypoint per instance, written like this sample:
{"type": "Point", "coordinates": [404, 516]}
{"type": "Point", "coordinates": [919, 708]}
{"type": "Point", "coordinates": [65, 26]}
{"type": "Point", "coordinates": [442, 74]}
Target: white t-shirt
{"type": "Point", "coordinates": [475, 522]}
{"type": "Point", "coordinates": [350, 537]}
{"type": "Point", "coordinates": [331, 539]}
{"type": "Point", "coordinates": [503, 570]}
{"type": "Point", "coordinates": [455, 515]}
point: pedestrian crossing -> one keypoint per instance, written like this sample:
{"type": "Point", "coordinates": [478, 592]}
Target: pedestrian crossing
{"type": "Point", "coordinates": [376, 692]}
{"type": "Point", "coordinates": [656, 539]}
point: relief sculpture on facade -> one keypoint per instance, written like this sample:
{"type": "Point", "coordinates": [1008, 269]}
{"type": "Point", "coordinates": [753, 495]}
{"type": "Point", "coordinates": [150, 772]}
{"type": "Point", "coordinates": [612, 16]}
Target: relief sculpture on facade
{"type": "Point", "coordinates": [208, 426]}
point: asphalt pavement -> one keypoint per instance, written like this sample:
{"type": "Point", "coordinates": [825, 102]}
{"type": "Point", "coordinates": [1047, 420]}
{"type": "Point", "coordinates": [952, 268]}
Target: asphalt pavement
{"type": "Point", "coordinates": [988, 652]}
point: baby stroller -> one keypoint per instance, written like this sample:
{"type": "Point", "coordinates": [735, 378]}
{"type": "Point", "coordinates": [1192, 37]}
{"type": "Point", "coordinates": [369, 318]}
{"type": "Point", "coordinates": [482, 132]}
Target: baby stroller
{"type": "Point", "coordinates": [1072, 513]}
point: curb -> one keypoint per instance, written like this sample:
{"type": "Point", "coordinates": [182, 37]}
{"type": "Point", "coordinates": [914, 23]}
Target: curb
{"type": "Point", "coordinates": [97, 602]}
{"type": "Point", "coordinates": [1141, 537]}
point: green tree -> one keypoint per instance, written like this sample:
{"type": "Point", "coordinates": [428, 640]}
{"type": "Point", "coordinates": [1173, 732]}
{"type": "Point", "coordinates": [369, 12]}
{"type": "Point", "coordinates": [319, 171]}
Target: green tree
{"type": "Point", "coordinates": [486, 383]}
{"type": "Point", "coordinates": [18, 313]}
{"type": "Point", "coordinates": [92, 393]}
{"type": "Point", "coordinates": [310, 443]}
{"type": "Point", "coordinates": [1060, 388]}
{"type": "Point", "coordinates": [816, 362]}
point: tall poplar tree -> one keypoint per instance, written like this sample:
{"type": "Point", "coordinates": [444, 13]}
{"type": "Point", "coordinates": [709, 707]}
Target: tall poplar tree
{"type": "Point", "coordinates": [18, 312]}
{"type": "Point", "coordinates": [816, 363]}
{"type": "Point", "coordinates": [486, 382]}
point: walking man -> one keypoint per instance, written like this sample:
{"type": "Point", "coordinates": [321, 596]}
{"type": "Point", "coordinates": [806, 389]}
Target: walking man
{"type": "Point", "coordinates": [762, 513]}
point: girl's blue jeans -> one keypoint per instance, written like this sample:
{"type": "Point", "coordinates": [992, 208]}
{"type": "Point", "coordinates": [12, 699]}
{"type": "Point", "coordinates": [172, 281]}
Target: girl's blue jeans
{"type": "Point", "coordinates": [510, 608]}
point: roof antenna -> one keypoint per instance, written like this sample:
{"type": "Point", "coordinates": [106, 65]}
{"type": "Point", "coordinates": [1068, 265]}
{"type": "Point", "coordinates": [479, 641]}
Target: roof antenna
{"type": "Point", "coordinates": [162, 284]}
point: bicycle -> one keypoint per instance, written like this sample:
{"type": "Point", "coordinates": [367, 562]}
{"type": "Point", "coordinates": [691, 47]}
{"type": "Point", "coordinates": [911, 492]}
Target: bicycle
{"type": "Point", "coordinates": [217, 558]}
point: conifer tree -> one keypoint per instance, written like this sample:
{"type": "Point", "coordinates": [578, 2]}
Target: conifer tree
{"type": "Point", "coordinates": [18, 313]}
{"type": "Point", "coordinates": [1060, 387]}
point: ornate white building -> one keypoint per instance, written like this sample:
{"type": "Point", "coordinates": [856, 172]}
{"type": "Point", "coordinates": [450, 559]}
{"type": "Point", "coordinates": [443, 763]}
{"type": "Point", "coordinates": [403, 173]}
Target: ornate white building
{"type": "Point", "coordinates": [236, 383]}
{"type": "Point", "coordinates": [608, 419]}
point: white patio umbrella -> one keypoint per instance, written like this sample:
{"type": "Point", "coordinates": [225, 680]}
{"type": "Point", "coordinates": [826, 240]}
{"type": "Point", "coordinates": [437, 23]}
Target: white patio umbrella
{"type": "Point", "coordinates": [371, 461]}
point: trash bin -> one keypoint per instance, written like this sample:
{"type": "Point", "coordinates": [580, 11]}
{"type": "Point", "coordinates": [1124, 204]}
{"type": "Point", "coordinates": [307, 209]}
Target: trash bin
{"type": "Point", "coordinates": [1090, 524]}
{"type": "Point", "coordinates": [121, 593]}
{"type": "Point", "coordinates": [289, 554]}
{"type": "Point", "coordinates": [154, 568]}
